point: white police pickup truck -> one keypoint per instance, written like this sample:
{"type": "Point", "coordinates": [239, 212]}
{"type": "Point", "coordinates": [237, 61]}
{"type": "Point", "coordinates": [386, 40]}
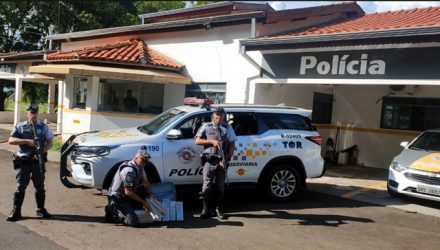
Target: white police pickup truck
{"type": "Point", "coordinates": [277, 147]}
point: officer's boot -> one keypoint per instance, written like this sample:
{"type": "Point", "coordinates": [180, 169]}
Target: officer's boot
{"type": "Point", "coordinates": [109, 215]}
{"type": "Point", "coordinates": [205, 209]}
{"type": "Point", "coordinates": [219, 207]}
{"type": "Point", "coordinates": [16, 211]}
{"type": "Point", "coordinates": [41, 211]}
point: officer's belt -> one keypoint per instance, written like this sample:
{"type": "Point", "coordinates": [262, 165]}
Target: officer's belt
{"type": "Point", "coordinates": [208, 157]}
{"type": "Point", "coordinates": [27, 158]}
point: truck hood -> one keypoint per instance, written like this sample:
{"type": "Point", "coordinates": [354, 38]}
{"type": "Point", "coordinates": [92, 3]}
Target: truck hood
{"type": "Point", "coordinates": [111, 137]}
{"type": "Point", "coordinates": [420, 160]}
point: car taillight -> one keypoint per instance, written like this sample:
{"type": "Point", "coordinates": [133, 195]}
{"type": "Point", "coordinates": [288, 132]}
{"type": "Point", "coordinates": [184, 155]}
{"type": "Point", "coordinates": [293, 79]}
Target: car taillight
{"type": "Point", "coordinates": [315, 139]}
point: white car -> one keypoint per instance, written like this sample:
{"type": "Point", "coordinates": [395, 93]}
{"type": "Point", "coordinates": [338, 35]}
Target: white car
{"type": "Point", "coordinates": [277, 147]}
{"type": "Point", "coordinates": [416, 170]}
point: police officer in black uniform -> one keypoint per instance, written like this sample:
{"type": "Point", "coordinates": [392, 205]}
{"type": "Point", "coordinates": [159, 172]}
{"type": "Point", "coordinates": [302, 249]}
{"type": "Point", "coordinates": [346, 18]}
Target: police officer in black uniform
{"type": "Point", "coordinates": [31, 135]}
{"type": "Point", "coordinates": [129, 190]}
{"type": "Point", "coordinates": [215, 135]}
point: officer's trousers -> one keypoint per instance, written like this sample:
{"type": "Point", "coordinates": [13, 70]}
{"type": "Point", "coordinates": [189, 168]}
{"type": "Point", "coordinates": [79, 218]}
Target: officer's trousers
{"type": "Point", "coordinates": [29, 169]}
{"type": "Point", "coordinates": [127, 206]}
{"type": "Point", "coordinates": [214, 177]}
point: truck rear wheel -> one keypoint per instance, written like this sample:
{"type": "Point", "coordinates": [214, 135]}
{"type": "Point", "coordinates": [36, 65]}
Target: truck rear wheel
{"type": "Point", "coordinates": [282, 183]}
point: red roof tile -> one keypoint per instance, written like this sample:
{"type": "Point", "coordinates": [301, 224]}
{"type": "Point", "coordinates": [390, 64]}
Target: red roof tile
{"type": "Point", "coordinates": [390, 20]}
{"type": "Point", "coordinates": [131, 51]}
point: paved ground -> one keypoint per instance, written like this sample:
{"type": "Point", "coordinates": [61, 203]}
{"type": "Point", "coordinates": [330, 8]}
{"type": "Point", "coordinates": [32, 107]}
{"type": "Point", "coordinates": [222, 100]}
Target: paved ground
{"type": "Point", "coordinates": [16, 236]}
{"type": "Point", "coordinates": [312, 221]}
{"type": "Point", "coordinates": [347, 208]}
{"type": "Point", "coordinates": [352, 182]}
{"type": "Point", "coordinates": [4, 135]}
{"type": "Point", "coordinates": [368, 185]}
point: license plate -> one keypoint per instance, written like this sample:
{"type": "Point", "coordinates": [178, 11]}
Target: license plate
{"type": "Point", "coordinates": [428, 190]}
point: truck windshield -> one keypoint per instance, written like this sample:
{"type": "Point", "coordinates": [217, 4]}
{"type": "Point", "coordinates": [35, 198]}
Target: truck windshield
{"type": "Point", "coordinates": [429, 141]}
{"type": "Point", "coordinates": [159, 122]}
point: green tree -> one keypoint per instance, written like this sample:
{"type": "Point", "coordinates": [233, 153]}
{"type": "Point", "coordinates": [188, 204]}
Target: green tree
{"type": "Point", "coordinates": [200, 3]}
{"type": "Point", "coordinates": [26, 23]}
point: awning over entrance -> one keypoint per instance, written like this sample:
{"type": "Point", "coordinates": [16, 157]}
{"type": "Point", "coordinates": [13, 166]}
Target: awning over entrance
{"type": "Point", "coordinates": [150, 75]}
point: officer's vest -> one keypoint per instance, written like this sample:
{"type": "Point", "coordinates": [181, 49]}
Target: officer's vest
{"type": "Point", "coordinates": [116, 186]}
{"type": "Point", "coordinates": [28, 133]}
{"type": "Point", "coordinates": [218, 133]}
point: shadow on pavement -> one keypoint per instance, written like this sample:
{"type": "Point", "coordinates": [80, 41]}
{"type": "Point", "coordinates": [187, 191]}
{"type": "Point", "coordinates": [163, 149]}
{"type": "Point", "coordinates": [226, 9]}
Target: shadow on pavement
{"type": "Point", "coordinates": [249, 204]}
{"type": "Point", "coordinates": [357, 172]}
{"type": "Point", "coordinates": [73, 218]}
{"type": "Point", "coordinates": [310, 219]}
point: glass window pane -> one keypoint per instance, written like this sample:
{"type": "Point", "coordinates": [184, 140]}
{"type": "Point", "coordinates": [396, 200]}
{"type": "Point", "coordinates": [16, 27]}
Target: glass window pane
{"type": "Point", "coordinates": [410, 113]}
{"type": "Point", "coordinates": [80, 92]}
{"type": "Point", "coordinates": [404, 117]}
{"type": "Point", "coordinates": [131, 97]}
{"type": "Point", "coordinates": [214, 91]}
{"type": "Point", "coordinates": [387, 119]}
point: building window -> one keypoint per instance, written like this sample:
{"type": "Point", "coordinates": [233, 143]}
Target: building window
{"type": "Point", "coordinates": [408, 113]}
{"type": "Point", "coordinates": [80, 91]}
{"type": "Point", "coordinates": [131, 97]}
{"type": "Point", "coordinates": [322, 108]}
{"type": "Point", "coordinates": [214, 91]}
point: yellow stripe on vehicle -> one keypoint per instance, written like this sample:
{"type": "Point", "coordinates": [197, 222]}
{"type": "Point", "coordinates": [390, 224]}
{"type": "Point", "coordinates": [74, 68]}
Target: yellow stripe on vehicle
{"type": "Point", "coordinates": [430, 163]}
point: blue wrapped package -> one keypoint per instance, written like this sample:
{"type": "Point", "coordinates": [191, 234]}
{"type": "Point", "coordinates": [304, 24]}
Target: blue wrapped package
{"type": "Point", "coordinates": [172, 211]}
{"type": "Point", "coordinates": [179, 211]}
{"type": "Point", "coordinates": [166, 206]}
{"type": "Point", "coordinates": [165, 190]}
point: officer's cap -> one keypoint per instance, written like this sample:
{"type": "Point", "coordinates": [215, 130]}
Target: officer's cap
{"type": "Point", "coordinates": [33, 108]}
{"type": "Point", "coordinates": [219, 111]}
{"type": "Point", "coordinates": [143, 154]}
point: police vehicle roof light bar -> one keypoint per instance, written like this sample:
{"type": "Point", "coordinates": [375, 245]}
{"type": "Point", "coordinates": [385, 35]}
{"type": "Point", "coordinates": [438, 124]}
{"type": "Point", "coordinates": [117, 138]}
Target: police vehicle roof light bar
{"type": "Point", "coordinates": [197, 102]}
{"type": "Point", "coordinates": [203, 103]}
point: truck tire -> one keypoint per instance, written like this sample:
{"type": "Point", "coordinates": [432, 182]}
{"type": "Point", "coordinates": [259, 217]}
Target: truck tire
{"type": "Point", "coordinates": [282, 182]}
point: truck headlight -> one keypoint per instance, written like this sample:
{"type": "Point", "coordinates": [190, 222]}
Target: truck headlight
{"type": "Point", "coordinates": [397, 166]}
{"type": "Point", "coordinates": [91, 151]}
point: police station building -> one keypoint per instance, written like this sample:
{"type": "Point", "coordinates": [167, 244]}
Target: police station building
{"type": "Point", "coordinates": [371, 80]}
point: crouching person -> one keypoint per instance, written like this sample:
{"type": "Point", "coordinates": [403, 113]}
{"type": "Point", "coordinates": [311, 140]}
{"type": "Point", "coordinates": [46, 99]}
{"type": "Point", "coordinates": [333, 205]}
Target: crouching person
{"type": "Point", "coordinates": [128, 191]}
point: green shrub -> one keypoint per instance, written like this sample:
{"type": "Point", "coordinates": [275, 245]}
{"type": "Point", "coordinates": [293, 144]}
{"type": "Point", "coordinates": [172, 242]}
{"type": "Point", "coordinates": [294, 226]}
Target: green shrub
{"type": "Point", "coordinates": [56, 144]}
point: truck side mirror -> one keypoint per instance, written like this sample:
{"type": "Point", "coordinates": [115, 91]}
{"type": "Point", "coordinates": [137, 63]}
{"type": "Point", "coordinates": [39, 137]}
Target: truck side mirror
{"type": "Point", "coordinates": [404, 144]}
{"type": "Point", "coordinates": [174, 134]}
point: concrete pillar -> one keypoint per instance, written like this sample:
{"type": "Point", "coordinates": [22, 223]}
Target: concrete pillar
{"type": "Point", "coordinates": [18, 86]}
{"type": "Point", "coordinates": [51, 98]}
{"type": "Point", "coordinates": [69, 96]}
{"type": "Point", "coordinates": [60, 107]}
{"type": "Point", "coordinates": [93, 94]}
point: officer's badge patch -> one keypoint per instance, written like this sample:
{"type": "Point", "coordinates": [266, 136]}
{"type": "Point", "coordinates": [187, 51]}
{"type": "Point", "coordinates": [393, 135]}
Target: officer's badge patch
{"type": "Point", "coordinates": [241, 171]}
{"type": "Point", "coordinates": [186, 154]}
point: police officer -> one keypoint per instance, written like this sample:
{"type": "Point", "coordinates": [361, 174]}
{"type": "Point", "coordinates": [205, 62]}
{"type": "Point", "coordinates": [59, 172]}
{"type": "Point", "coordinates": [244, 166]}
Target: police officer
{"type": "Point", "coordinates": [30, 135]}
{"type": "Point", "coordinates": [213, 136]}
{"type": "Point", "coordinates": [129, 190]}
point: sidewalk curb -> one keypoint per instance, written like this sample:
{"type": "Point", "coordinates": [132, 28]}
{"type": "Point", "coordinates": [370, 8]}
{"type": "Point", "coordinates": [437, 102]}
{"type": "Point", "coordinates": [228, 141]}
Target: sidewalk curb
{"type": "Point", "coordinates": [52, 156]}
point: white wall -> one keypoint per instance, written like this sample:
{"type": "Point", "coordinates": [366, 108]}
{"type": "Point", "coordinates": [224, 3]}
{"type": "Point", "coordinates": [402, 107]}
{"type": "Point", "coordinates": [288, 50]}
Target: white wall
{"type": "Point", "coordinates": [75, 121]}
{"type": "Point", "coordinates": [173, 95]}
{"type": "Point", "coordinates": [209, 55]}
{"type": "Point", "coordinates": [106, 122]}
{"type": "Point", "coordinates": [361, 106]}
{"type": "Point", "coordinates": [290, 94]}
{"type": "Point", "coordinates": [355, 106]}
